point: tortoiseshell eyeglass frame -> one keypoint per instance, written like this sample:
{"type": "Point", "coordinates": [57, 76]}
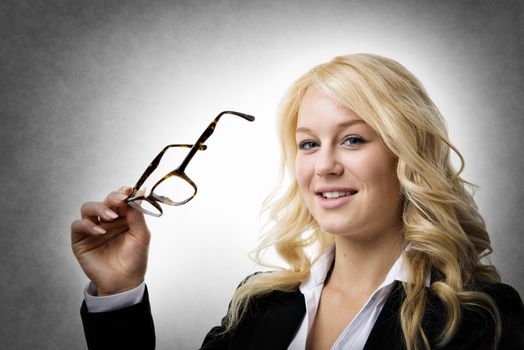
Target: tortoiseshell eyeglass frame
{"type": "Point", "coordinates": [153, 198]}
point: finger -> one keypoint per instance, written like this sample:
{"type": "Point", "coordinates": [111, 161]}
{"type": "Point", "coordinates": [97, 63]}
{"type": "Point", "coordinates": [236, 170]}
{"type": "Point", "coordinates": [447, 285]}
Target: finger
{"type": "Point", "coordinates": [122, 211]}
{"type": "Point", "coordinates": [93, 211]}
{"type": "Point", "coordinates": [115, 225]}
{"type": "Point", "coordinates": [84, 227]}
{"type": "Point", "coordinates": [141, 192]}
{"type": "Point", "coordinates": [115, 200]}
{"type": "Point", "coordinates": [125, 189]}
{"type": "Point", "coordinates": [136, 220]}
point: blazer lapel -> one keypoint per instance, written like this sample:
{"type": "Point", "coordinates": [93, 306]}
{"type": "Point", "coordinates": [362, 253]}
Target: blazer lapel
{"type": "Point", "coordinates": [387, 332]}
{"type": "Point", "coordinates": [279, 316]}
{"type": "Point", "coordinates": [278, 325]}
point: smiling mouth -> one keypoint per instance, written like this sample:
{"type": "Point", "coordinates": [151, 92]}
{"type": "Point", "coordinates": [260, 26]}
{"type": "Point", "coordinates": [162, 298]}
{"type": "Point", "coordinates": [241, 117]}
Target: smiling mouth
{"type": "Point", "coordinates": [337, 194]}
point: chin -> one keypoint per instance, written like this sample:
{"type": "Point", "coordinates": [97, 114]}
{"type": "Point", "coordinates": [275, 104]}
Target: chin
{"type": "Point", "coordinates": [337, 229]}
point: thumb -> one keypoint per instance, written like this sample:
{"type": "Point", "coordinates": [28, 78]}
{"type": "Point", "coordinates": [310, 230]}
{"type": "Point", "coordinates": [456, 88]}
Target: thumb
{"type": "Point", "coordinates": [136, 219]}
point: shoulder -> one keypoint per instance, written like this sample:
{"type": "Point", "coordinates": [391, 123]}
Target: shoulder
{"type": "Point", "coordinates": [504, 295]}
{"type": "Point", "coordinates": [267, 317]}
{"type": "Point", "coordinates": [507, 300]}
{"type": "Point", "coordinates": [271, 296]}
{"type": "Point", "coordinates": [477, 328]}
{"type": "Point", "coordinates": [511, 312]}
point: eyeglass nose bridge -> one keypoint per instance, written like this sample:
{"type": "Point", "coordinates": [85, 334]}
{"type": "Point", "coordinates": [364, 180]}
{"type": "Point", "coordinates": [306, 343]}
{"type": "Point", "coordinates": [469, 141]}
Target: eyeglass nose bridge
{"type": "Point", "coordinates": [136, 203]}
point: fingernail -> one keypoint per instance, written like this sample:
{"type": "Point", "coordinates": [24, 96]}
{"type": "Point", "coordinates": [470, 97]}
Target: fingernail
{"type": "Point", "coordinates": [99, 230]}
{"type": "Point", "coordinates": [124, 189]}
{"type": "Point", "coordinates": [110, 214]}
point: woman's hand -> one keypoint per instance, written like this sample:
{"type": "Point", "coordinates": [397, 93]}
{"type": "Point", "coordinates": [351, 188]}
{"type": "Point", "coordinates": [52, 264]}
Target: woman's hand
{"type": "Point", "coordinates": [111, 243]}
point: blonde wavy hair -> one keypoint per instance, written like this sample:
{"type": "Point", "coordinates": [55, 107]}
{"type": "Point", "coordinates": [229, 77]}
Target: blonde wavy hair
{"type": "Point", "coordinates": [441, 222]}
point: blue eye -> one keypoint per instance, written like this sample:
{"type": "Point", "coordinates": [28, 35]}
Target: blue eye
{"type": "Point", "coordinates": [353, 140]}
{"type": "Point", "coordinates": [307, 145]}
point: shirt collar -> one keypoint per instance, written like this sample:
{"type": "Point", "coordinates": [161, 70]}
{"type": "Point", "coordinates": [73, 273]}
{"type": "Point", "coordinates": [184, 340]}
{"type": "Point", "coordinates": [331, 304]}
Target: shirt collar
{"type": "Point", "coordinates": [320, 269]}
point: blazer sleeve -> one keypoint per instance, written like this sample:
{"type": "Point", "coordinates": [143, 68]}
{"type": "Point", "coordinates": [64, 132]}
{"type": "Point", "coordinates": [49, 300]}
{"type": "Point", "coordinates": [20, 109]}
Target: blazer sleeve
{"type": "Point", "coordinates": [128, 328]}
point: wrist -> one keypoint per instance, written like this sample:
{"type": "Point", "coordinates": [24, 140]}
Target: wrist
{"type": "Point", "coordinates": [96, 304]}
{"type": "Point", "coordinates": [103, 292]}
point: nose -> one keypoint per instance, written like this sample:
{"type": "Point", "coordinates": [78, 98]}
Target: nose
{"type": "Point", "coordinates": [327, 162]}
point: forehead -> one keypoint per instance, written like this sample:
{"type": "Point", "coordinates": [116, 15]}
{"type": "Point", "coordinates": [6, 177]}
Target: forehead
{"type": "Point", "coordinates": [318, 110]}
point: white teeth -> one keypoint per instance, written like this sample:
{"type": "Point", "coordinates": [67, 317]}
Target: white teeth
{"type": "Point", "coordinates": [335, 194]}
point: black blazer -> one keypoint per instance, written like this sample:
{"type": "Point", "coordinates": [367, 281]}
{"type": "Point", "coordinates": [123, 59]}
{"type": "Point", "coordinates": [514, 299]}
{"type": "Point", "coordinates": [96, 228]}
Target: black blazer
{"type": "Point", "coordinates": [273, 320]}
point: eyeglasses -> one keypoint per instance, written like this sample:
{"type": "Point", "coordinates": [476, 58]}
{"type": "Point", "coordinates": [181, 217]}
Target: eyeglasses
{"type": "Point", "coordinates": [175, 188]}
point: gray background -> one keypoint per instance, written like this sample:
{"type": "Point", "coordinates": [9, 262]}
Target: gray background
{"type": "Point", "coordinates": [90, 91]}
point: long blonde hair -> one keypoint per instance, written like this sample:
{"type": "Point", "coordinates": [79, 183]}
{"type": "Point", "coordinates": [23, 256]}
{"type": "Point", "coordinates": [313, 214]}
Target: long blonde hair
{"type": "Point", "coordinates": [441, 222]}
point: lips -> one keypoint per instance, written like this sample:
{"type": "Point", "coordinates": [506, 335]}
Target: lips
{"type": "Point", "coordinates": [335, 192]}
{"type": "Point", "coordinates": [334, 197]}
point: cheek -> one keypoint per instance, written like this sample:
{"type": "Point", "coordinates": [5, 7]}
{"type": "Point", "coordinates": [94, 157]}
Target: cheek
{"type": "Point", "coordinates": [382, 192]}
{"type": "Point", "coordinates": [378, 173]}
{"type": "Point", "coordinates": [302, 172]}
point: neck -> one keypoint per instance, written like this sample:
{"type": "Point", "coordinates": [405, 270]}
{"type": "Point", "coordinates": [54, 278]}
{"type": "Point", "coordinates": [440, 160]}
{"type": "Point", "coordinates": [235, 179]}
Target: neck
{"type": "Point", "coordinates": [362, 265]}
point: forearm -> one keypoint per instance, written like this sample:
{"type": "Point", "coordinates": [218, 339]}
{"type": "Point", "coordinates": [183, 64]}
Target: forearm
{"type": "Point", "coordinates": [126, 328]}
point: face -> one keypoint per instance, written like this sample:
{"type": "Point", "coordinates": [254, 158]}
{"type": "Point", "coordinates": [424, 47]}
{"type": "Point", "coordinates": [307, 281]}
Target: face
{"type": "Point", "coordinates": [346, 175]}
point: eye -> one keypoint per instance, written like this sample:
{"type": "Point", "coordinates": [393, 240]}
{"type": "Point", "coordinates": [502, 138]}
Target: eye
{"type": "Point", "coordinates": [307, 145]}
{"type": "Point", "coordinates": [353, 140]}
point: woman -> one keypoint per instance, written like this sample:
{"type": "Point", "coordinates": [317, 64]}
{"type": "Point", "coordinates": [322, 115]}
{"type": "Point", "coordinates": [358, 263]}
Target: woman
{"type": "Point", "coordinates": [396, 239]}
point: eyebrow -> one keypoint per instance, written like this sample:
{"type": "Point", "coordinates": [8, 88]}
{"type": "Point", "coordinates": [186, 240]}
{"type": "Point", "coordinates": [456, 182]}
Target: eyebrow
{"type": "Point", "coordinates": [339, 126]}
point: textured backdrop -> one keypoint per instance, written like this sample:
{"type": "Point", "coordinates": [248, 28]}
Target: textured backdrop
{"type": "Point", "coordinates": [90, 91]}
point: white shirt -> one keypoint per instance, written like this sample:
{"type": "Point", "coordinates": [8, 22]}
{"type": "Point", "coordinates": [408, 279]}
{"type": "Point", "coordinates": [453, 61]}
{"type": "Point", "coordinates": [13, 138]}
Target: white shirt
{"type": "Point", "coordinates": [356, 333]}
{"type": "Point", "coordinates": [353, 337]}
{"type": "Point", "coordinates": [112, 302]}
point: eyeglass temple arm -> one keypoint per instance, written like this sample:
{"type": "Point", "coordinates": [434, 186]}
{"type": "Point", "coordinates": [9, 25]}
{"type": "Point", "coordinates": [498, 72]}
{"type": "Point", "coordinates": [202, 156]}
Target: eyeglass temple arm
{"type": "Point", "coordinates": [154, 164]}
{"type": "Point", "coordinates": [208, 132]}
